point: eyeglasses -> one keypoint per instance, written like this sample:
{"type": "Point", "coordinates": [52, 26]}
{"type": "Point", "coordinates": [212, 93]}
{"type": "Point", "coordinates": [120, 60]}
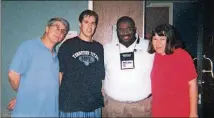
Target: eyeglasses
{"type": "Point", "coordinates": [127, 30]}
{"type": "Point", "coordinates": [57, 28]}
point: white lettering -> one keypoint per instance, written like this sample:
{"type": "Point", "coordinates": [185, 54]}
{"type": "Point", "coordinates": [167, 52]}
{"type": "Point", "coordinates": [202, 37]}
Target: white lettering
{"type": "Point", "coordinates": [77, 54]}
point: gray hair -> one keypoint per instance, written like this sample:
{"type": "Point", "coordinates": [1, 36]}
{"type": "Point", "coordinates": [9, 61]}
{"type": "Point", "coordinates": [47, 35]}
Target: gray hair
{"type": "Point", "coordinates": [62, 20]}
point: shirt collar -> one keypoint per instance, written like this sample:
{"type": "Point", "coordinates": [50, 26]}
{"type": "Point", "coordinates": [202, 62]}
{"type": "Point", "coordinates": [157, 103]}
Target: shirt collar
{"type": "Point", "coordinates": [43, 45]}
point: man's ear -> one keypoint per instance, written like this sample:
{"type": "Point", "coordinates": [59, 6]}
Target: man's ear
{"type": "Point", "coordinates": [46, 29]}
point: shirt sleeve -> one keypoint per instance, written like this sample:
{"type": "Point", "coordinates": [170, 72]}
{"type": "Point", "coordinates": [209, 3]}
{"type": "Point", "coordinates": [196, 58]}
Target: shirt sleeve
{"type": "Point", "coordinates": [103, 61]}
{"type": "Point", "coordinates": [189, 68]}
{"type": "Point", "coordinates": [19, 61]}
{"type": "Point", "coordinates": [62, 57]}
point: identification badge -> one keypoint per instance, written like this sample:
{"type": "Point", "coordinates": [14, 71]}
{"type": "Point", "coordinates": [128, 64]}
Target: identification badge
{"type": "Point", "coordinates": [127, 60]}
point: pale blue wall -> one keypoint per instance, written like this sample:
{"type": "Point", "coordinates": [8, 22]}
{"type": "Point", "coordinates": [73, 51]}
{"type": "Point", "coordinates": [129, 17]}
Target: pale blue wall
{"type": "Point", "coordinates": [23, 20]}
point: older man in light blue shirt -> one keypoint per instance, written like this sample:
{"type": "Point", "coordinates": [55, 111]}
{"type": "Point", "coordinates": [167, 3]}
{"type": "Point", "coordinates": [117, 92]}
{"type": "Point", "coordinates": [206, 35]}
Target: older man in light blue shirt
{"type": "Point", "coordinates": [34, 73]}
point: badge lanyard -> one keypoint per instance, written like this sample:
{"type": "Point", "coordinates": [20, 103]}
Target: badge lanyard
{"type": "Point", "coordinates": [127, 58]}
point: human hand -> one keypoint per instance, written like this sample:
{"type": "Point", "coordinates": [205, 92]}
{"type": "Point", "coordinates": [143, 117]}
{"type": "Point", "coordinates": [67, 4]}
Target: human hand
{"type": "Point", "coordinates": [11, 104]}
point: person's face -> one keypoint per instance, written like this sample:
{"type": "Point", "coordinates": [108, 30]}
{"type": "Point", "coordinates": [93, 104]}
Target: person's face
{"type": "Point", "coordinates": [159, 44]}
{"type": "Point", "coordinates": [87, 26]}
{"type": "Point", "coordinates": [56, 32]}
{"type": "Point", "coordinates": [126, 32]}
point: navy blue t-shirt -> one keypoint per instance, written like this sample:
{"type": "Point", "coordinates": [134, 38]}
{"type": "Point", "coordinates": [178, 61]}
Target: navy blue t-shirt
{"type": "Point", "coordinates": [82, 65]}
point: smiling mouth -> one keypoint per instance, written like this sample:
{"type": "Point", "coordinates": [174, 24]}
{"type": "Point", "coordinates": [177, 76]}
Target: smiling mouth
{"type": "Point", "coordinates": [158, 48]}
{"type": "Point", "coordinates": [126, 37]}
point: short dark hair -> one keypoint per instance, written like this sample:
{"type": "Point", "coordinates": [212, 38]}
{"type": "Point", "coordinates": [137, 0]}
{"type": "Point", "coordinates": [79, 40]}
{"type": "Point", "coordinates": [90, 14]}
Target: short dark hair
{"type": "Point", "coordinates": [88, 13]}
{"type": "Point", "coordinates": [172, 38]}
{"type": "Point", "coordinates": [126, 19]}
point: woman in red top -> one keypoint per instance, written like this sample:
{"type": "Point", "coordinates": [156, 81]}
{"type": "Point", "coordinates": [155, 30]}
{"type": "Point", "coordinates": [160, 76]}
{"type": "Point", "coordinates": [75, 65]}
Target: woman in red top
{"type": "Point", "coordinates": [174, 83]}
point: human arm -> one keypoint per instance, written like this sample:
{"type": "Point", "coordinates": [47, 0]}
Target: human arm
{"type": "Point", "coordinates": [104, 63]}
{"type": "Point", "coordinates": [193, 95]}
{"type": "Point", "coordinates": [60, 77]}
{"type": "Point", "coordinates": [102, 89]}
{"type": "Point", "coordinates": [191, 79]}
{"type": "Point", "coordinates": [62, 61]}
{"type": "Point", "coordinates": [14, 79]}
{"type": "Point", "coordinates": [18, 67]}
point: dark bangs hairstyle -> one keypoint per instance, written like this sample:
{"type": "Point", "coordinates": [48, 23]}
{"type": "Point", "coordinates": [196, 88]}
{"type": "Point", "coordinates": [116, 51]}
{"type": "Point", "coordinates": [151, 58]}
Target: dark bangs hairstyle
{"type": "Point", "coordinates": [172, 38]}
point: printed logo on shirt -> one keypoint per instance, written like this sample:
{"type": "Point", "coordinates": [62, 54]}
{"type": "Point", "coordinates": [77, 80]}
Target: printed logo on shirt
{"type": "Point", "coordinates": [86, 57]}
